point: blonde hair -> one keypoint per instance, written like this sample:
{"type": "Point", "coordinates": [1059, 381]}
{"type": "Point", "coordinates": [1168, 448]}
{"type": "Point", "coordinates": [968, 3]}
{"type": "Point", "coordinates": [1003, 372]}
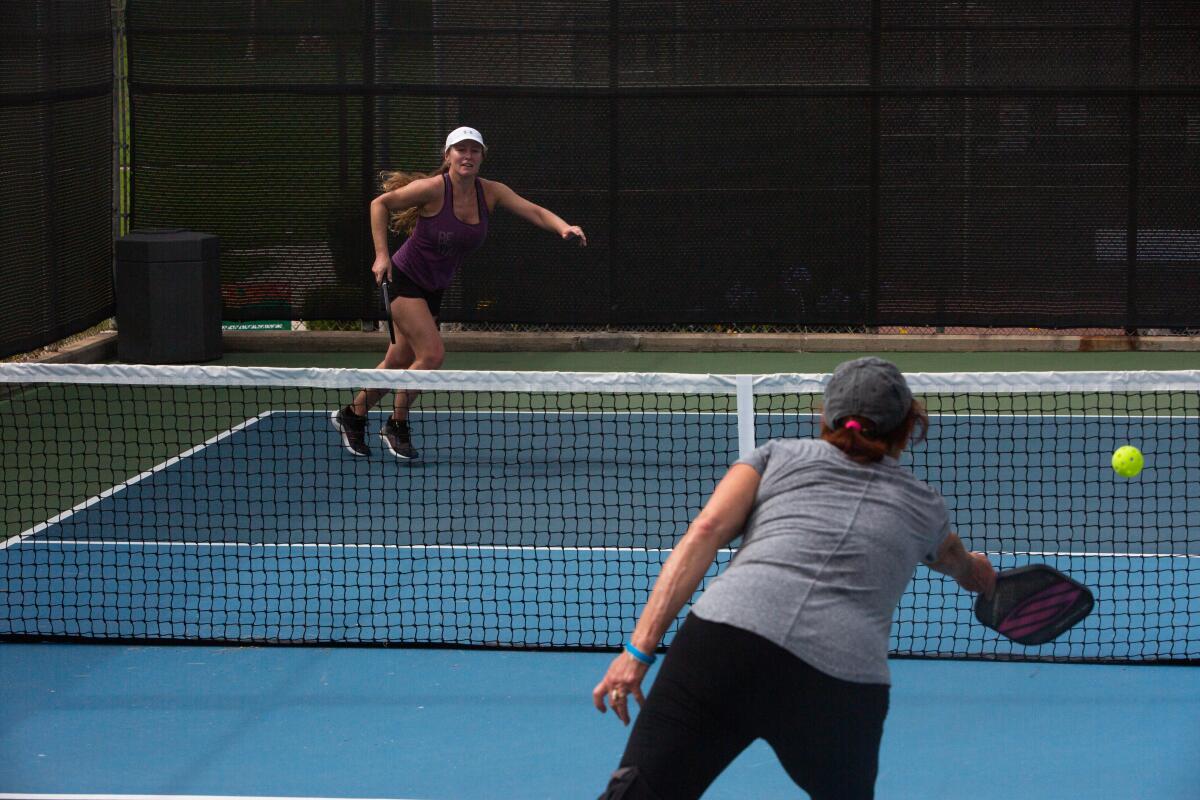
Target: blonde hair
{"type": "Point", "coordinates": [405, 221]}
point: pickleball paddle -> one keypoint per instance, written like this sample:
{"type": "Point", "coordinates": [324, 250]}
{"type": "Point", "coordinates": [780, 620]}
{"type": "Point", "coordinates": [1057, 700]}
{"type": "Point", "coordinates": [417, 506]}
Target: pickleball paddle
{"type": "Point", "coordinates": [1034, 604]}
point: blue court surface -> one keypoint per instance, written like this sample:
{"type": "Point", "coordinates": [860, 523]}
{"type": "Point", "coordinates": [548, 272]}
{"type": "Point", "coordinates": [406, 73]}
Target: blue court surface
{"type": "Point", "coordinates": [551, 536]}
{"type": "Point", "coordinates": [442, 724]}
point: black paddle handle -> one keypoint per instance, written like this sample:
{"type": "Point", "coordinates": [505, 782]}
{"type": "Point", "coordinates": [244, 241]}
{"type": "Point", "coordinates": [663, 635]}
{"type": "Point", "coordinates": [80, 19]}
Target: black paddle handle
{"type": "Point", "coordinates": [385, 293]}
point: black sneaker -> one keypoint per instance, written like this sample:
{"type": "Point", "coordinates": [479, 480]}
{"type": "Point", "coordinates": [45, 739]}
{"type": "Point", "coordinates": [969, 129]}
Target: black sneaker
{"type": "Point", "coordinates": [398, 438]}
{"type": "Point", "coordinates": [353, 429]}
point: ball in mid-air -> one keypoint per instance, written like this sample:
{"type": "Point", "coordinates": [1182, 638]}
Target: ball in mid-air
{"type": "Point", "coordinates": [1127, 461]}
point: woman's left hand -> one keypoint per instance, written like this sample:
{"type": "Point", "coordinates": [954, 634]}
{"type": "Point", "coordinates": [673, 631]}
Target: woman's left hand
{"type": "Point", "coordinates": [574, 232]}
{"type": "Point", "coordinates": [624, 678]}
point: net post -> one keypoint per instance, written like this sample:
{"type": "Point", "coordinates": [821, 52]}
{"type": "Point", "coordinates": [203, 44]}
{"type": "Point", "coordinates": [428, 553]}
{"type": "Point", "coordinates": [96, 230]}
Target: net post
{"type": "Point", "coordinates": [745, 415]}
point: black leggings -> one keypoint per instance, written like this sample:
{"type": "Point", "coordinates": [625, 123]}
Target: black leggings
{"type": "Point", "coordinates": [719, 689]}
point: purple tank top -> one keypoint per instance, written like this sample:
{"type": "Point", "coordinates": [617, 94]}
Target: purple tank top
{"type": "Point", "coordinates": [440, 243]}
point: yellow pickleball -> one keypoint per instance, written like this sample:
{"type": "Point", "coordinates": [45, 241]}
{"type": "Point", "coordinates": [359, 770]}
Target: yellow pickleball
{"type": "Point", "coordinates": [1127, 461]}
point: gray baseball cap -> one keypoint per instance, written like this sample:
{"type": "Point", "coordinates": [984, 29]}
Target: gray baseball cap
{"type": "Point", "coordinates": [870, 388]}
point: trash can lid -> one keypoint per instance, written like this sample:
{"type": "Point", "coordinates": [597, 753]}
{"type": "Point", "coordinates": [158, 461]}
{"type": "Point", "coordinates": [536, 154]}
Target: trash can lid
{"type": "Point", "coordinates": [167, 244]}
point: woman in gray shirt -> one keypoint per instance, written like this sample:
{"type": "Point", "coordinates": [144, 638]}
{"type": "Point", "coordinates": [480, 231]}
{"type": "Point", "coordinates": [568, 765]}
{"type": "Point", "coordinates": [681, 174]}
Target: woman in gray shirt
{"type": "Point", "coordinates": [790, 643]}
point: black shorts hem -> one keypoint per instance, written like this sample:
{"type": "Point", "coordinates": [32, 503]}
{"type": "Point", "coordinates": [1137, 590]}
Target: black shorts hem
{"type": "Point", "coordinates": [401, 285]}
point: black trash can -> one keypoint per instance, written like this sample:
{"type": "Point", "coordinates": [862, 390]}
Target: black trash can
{"type": "Point", "coordinates": [168, 297]}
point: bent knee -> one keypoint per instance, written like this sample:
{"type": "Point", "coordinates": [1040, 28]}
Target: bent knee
{"type": "Point", "coordinates": [430, 360]}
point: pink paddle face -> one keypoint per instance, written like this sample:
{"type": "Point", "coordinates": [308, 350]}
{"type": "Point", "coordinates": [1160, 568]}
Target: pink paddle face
{"type": "Point", "coordinates": [1034, 604]}
{"type": "Point", "coordinates": [1038, 609]}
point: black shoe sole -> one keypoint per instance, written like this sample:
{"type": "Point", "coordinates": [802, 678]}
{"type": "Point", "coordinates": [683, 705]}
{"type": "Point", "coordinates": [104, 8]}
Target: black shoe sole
{"type": "Point", "coordinates": [337, 424]}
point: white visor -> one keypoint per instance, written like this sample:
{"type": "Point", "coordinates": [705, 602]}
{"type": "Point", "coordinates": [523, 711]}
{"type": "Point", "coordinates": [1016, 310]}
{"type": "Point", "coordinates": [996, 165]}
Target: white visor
{"type": "Point", "coordinates": [462, 135]}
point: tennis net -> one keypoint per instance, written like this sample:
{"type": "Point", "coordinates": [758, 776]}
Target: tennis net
{"type": "Point", "coordinates": [219, 503]}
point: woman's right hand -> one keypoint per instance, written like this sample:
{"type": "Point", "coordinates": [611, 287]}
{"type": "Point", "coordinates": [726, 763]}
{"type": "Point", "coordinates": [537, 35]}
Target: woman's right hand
{"type": "Point", "coordinates": [382, 267]}
{"type": "Point", "coordinates": [980, 576]}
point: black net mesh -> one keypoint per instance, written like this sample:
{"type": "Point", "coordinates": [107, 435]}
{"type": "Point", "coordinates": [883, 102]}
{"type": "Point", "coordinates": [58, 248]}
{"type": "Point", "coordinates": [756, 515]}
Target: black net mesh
{"type": "Point", "coordinates": [222, 504]}
{"type": "Point", "coordinates": [56, 169]}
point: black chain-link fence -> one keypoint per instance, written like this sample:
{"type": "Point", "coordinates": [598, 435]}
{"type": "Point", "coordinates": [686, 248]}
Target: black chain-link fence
{"type": "Point", "coordinates": [870, 165]}
{"type": "Point", "coordinates": [780, 164]}
{"type": "Point", "coordinates": [56, 164]}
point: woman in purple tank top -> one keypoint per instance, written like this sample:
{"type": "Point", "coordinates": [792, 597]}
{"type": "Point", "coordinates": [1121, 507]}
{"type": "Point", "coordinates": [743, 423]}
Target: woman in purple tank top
{"type": "Point", "coordinates": [446, 218]}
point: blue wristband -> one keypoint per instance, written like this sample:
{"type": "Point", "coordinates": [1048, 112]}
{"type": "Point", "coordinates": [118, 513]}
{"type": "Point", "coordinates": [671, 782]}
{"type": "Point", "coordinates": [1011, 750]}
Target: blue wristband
{"type": "Point", "coordinates": [639, 655]}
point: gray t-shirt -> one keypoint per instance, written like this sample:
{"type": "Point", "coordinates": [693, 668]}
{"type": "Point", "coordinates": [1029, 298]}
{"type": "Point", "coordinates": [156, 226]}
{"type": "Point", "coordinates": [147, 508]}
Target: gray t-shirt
{"type": "Point", "coordinates": [827, 551]}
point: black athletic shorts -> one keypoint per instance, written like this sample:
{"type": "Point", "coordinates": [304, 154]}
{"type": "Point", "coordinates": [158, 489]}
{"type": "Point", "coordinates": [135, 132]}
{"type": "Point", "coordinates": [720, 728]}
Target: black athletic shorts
{"type": "Point", "coordinates": [722, 687]}
{"type": "Point", "coordinates": [400, 285]}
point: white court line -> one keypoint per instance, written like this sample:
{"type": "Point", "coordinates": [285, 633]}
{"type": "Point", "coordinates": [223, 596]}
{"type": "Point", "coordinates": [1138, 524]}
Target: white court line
{"type": "Point", "coordinates": [225, 434]}
{"type": "Point", "coordinates": [521, 548]}
{"type": "Point", "coordinates": [127, 483]}
{"type": "Point", "coordinates": [506, 548]}
{"type": "Point", "coordinates": [1088, 554]}
{"type": "Point", "coordinates": [27, 796]}
{"type": "Point", "coordinates": [1033, 415]}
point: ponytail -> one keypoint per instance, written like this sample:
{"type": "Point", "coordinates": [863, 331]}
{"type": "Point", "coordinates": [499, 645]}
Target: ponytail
{"type": "Point", "coordinates": [405, 221]}
{"type": "Point", "coordinates": [854, 436]}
